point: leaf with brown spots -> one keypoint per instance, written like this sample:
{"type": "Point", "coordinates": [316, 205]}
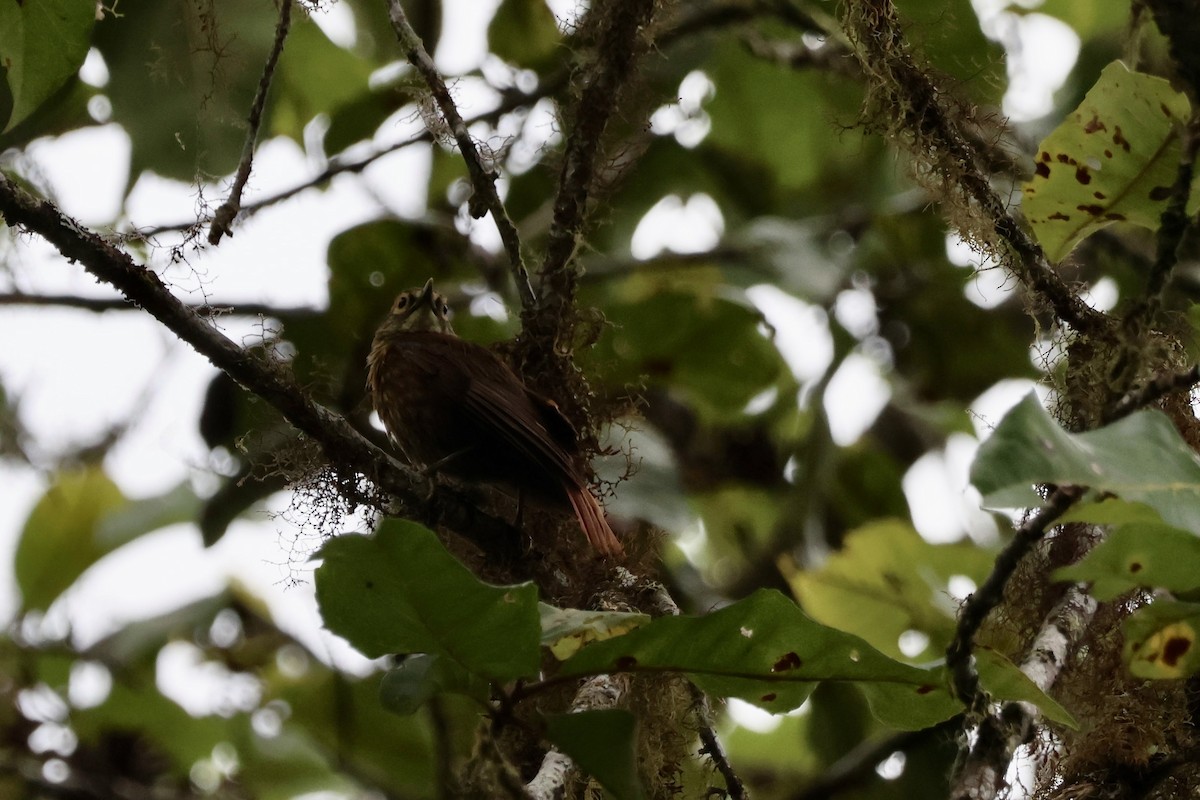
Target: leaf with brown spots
{"type": "Point", "coordinates": [1121, 146]}
{"type": "Point", "coordinates": [768, 652]}
{"type": "Point", "coordinates": [1160, 640]}
{"type": "Point", "coordinates": [1139, 554]}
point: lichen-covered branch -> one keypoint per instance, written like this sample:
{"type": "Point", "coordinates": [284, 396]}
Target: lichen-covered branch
{"type": "Point", "coordinates": [981, 773]}
{"type": "Point", "coordinates": [483, 179]}
{"type": "Point", "coordinates": [965, 681]}
{"type": "Point", "coordinates": [600, 692]}
{"type": "Point", "coordinates": [620, 38]}
{"type": "Point", "coordinates": [910, 108]}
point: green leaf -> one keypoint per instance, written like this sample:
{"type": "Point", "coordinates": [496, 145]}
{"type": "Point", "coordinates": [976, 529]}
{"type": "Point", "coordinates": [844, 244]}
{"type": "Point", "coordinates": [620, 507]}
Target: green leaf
{"type": "Point", "coordinates": [143, 516]}
{"type": "Point", "coordinates": [1139, 554]}
{"type": "Point", "coordinates": [42, 45]}
{"type": "Point", "coordinates": [1005, 680]}
{"type": "Point", "coordinates": [1160, 640]}
{"type": "Point", "coordinates": [524, 32]}
{"type": "Point", "coordinates": [393, 753]}
{"type": "Point", "coordinates": [566, 630]}
{"type": "Point", "coordinates": [62, 537]}
{"type": "Point", "coordinates": [707, 347]}
{"type": "Point", "coordinates": [419, 677]}
{"type": "Point", "coordinates": [754, 114]}
{"type": "Point", "coordinates": [182, 79]}
{"type": "Point", "coordinates": [1139, 458]}
{"type": "Point", "coordinates": [400, 591]}
{"type": "Point", "coordinates": [1110, 511]}
{"type": "Point", "coordinates": [887, 580]}
{"type": "Point", "coordinates": [601, 743]}
{"type": "Point", "coordinates": [1114, 159]}
{"type": "Point", "coordinates": [302, 88]}
{"type": "Point", "coordinates": [765, 650]}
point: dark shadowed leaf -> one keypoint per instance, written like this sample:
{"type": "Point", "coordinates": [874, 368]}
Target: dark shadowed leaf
{"type": "Point", "coordinates": [602, 744]}
{"type": "Point", "coordinates": [400, 591]}
{"type": "Point", "coordinates": [419, 677]}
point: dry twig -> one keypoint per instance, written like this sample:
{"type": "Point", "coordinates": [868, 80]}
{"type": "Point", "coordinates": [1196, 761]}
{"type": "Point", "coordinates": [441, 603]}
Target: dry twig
{"type": "Point", "coordinates": [223, 220]}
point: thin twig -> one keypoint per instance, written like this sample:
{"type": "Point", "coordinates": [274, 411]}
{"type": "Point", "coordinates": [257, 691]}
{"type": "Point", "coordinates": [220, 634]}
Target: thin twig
{"type": "Point", "coordinates": [101, 304]}
{"type": "Point", "coordinates": [223, 219]}
{"type": "Point", "coordinates": [348, 451]}
{"type": "Point", "coordinates": [712, 746]}
{"type": "Point", "coordinates": [512, 101]}
{"type": "Point", "coordinates": [483, 179]}
{"type": "Point", "coordinates": [965, 681]}
{"type": "Point", "coordinates": [1163, 384]}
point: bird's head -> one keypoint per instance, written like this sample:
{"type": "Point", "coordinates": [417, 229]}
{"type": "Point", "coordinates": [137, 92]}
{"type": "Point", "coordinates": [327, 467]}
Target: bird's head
{"type": "Point", "coordinates": [419, 310]}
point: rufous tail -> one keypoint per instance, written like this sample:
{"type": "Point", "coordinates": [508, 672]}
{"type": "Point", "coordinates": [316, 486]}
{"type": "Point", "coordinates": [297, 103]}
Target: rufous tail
{"type": "Point", "coordinates": [594, 525]}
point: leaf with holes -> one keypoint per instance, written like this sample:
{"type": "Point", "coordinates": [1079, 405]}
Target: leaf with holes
{"type": "Point", "coordinates": [768, 652]}
{"type": "Point", "coordinates": [1114, 159]}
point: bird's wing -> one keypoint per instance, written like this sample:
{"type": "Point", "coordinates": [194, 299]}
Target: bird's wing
{"type": "Point", "coordinates": [505, 408]}
{"type": "Point", "coordinates": [488, 392]}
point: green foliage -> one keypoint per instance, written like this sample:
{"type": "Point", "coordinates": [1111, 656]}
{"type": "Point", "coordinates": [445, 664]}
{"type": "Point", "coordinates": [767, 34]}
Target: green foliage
{"type": "Point", "coordinates": [1114, 159]}
{"type": "Point", "coordinates": [82, 517]}
{"type": "Point", "coordinates": [705, 347]}
{"type": "Point", "coordinates": [524, 32]}
{"type": "Point", "coordinates": [766, 651]}
{"type": "Point", "coordinates": [201, 63]}
{"type": "Point", "coordinates": [42, 45]}
{"type": "Point", "coordinates": [420, 677]}
{"type": "Point", "coordinates": [399, 591]}
{"type": "Point", "coordinates": [1140, 458]}
{"type": "Point", "coordinates": [886, 581]}
{"type": "Point", "coordinates": [1002, 678]}
{"type": "Point", "coordinates": [1138, 554]}
{"type": "Point", "coordinates": [788, 147]}
{"type": "Point", "coordinates": [601, 743]}
{"type": "Point", "coordinates": [741, 472]}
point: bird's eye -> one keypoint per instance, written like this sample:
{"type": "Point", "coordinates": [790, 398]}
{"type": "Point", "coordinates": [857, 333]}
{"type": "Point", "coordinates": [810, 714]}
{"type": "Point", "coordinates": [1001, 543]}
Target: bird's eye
{"type": "Point", "coordinates": [445, 309]}
{"type": "Point", "coordinates": [401, 302]}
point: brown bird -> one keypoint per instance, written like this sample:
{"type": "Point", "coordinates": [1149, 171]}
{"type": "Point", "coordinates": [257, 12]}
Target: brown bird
{"type": "Point", "coordinates": [454, 406]}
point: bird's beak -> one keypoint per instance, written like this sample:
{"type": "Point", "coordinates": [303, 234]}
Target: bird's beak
{"type": "Point", "coordinates": [426, 298]}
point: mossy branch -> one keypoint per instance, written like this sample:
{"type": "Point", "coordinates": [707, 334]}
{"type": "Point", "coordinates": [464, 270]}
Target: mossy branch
{"type": "Point", "coordinates": [348, 451]}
